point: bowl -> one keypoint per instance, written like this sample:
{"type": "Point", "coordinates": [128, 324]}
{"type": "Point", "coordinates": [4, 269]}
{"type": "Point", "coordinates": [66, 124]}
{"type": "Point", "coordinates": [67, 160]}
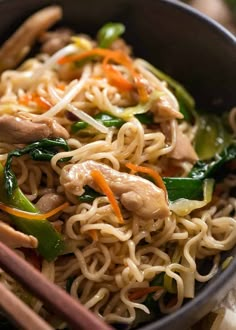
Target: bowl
{"type": "Point", "coordinates": [190, 47]}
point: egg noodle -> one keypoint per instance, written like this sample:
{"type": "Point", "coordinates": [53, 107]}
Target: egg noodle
{"type": "Point", "coordinates": [108, 263]}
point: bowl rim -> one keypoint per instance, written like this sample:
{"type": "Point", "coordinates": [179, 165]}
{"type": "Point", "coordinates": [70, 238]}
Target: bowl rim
{"type": "Point", "coordinates": [213, 24]}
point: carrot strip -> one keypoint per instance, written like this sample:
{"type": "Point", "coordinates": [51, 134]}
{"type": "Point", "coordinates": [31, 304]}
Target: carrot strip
{"type": "Point", "coordinates": [118, 57]}
{"type": "Point", "coordinates": [116, 78]}
{"type": "Point", "coordinates": [39, 100]}
{"type": "Point", "coordinates": [32, 216]}
{"type": "Point", "coordinates": [102, 184]}
{"type": "Point", "coordinates": [78, 57]}
{"type": "Point", "coordinates": [93, 233]}
{"type": "Point", "coordinates": [61, 86]}
{"type": "Point", "coordinates": [155, 175]}
{"type": "Point", "coordinates": [143, 292]}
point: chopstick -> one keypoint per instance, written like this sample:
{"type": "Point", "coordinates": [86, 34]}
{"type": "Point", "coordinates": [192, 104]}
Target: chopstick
{"type": "Point", "coordinates": [72, 311]}
{"type": "Point", "coordinates": [19, 312]}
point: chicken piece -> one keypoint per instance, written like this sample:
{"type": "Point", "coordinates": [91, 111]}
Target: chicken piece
{"type": "Point", "coordinates": [137, 195]}
{"type": "Point", "coordinates": [25, 129]}
{"type": "Point", "coordinates": [52, 41]}
{"type": "Point", "coordinates": [20, 43]}
{"type": "Point", "coordinates": [16, 239]}
{"type": "Point", "coordinates": [120, 44]}
{"type": "Point", "coordinates": [183, 149]}
{"type": "Point", "coordinates": [49, 202]}
{"type": "Point", "coordinates": [163, 110]}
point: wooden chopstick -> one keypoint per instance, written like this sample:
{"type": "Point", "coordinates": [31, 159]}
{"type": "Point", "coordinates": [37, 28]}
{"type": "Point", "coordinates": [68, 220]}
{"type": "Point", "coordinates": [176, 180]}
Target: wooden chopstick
{"type": "Point", "coordinates": [19, 312]}
{"type": "Point", "coordinates": [67, 308]}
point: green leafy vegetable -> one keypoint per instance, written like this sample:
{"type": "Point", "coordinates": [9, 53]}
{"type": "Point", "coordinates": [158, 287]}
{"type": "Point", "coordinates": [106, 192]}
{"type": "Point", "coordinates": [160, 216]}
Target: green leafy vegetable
{"type": "Point", "coordinates": [50, 243]}
{"type": "Point", "coordinates": [212, 137]}
{"type": "Point", "coordinates": [187, 188]}
{"type": "Point", "coordinates": [89, 195]}
{"type": "Point", "coordinates": [42, 150]}
{"type": "Point", "coordinates": [145, 118]}
{"type": "Point", "coordinates": [183, 206]}
{"type": "Point", "coordinates": [202, 170]}
{"type": "Point", "coordinates": [109, 33]}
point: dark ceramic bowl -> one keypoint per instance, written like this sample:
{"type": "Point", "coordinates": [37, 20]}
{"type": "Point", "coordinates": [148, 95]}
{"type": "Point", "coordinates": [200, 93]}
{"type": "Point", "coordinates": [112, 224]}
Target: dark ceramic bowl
{"type": "Point", "coordinates": [183, 43]}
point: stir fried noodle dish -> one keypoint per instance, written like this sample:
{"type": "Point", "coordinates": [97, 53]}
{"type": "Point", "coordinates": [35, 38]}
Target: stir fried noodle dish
{"type": "Point", "coordinates": [113, 184]}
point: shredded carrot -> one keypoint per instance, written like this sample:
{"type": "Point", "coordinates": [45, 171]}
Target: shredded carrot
{"type": "Point", "coordinates": [93, 233]}
{"type": "Point", "coordinates": [61, 86]}
{"type": "Point", "coordinates": [40, 101]}
{"type": "Point", "coordinates": [155, 175]}
{"type": "Point", "coordinates": [116, 78]}
{"type": "Point", "coordinates": [78, 57]}
{"type": "Point", "coordinates": [140, 293]}
{"type": "Point", "coordinates": [32, 216]}
{"type": "Point", "coordinates": [102, 184]}
{"type": "Point", "coordinates": [112, 74]}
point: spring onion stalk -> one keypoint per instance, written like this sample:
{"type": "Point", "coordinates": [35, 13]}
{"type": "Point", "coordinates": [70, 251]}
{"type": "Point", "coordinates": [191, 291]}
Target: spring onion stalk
{"type": "Point", "coordinates": [183, 207]}
{"type": "Point", "coordinates": [106, 119]}
{"type": "Point", "coordinates": [50, 243]}
{"type": "Point", "coordinates": [212, 130]}
{"type": "Point", "coordinates": [109, 33]}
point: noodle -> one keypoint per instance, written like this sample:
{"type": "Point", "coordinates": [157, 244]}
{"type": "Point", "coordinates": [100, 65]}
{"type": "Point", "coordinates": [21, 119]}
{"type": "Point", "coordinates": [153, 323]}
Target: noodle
{"type": "Point", "coordinates": [103, 259]}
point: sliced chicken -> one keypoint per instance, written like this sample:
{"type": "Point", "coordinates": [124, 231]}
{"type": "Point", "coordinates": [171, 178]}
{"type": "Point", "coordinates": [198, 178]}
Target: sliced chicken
{"type": "Point", "coordinates": [137, 195]}
{"type": "Point", "coordinates": [25, 129]}
{"type": "Point", "coordinates": [49, 202]}
{"type": "Point", "coordinates": [120, 44]}
{"type": "Point", "coordinates": [19, 44]}
{"type": "Point", "coordinates": [183, 149]}
{"type": "Point", "coordinates": [16, 239]}
{"type": "Point", "coordinates": [163, 110]}
{"type": "Point", "coordinates": [52, 41]}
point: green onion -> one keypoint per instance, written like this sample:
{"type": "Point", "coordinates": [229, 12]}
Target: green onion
{"type": "Point", "coordinates": [109, 33]}
{"type": "Point", "coordinates": [50, 243]}
{"type": "Point", "coordinates": [211, 138]}
{"type": "Point", "coordinates": [105, 118]}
